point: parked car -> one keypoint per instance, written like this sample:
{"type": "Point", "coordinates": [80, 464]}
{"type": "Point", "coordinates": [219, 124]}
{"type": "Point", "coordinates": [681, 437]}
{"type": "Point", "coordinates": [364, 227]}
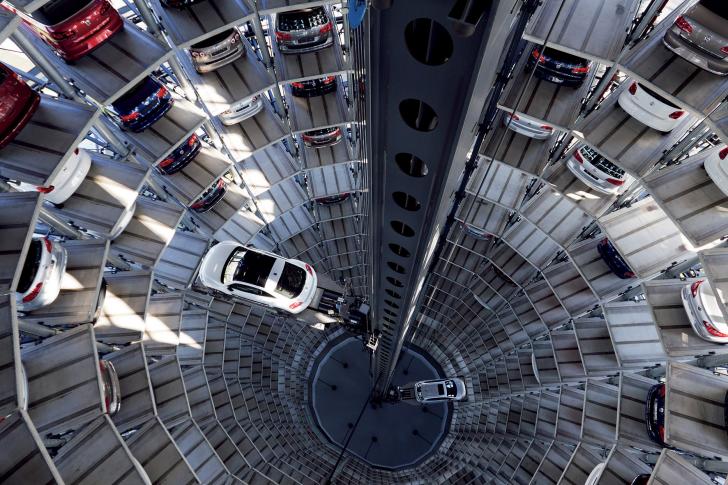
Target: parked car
{"type": "Point", "coordinates": [305, 30]}
{"type": "Point", "coordinates": [558, 67]}
{"type": "Point", "coordinates": [143, 105]}
{"type": "Point", "coordinates": [649, 108]}
{"type": "Point", "coordinates": [180, 4]}
{"type": "Point", "coordinates": [324, 137]}
{"type": "Point", "coordinates": [700, 36]}
{"type": "Point", "coordinates": [73, 28]}
{"type": "Point", "coordinates": [716, 165]}
{"type": "Point", "coordinates": [217, 51]}
{"type": "Point", "coordinates": [210, 197]}
{"type": "Point", "coordinates": [595, 474]}
{"type": "Point", "coordinates": [181, 156]}
{"type": "Point", "coordinates": [597, 172]}
{"type": "Point", "coordinates": [110, 386]}
{"type": "Point", "coordinates": [440, 390]}
{"type": "Point", "coordinates": [17, 104]}
{"type": "Point", "coordinates": [40, 278]}
{"type": "Point", "coordinates": [259, 276]}
{"type": "Point", "coordinates": [66, 181]}
{"type": "Point", "coordinates": [242, 110]}
{"type": "Point", "coordinates": [333, 199]}
{"type": "Point", "coordinates": [655, 414]}
{"type": "Point", "coordinates": [314, 87]}
{"type": "Point", "coordinates": [703, 311]}
{"type": "Point", "coordinates": [614, 260]}
{"type": "Point", "coordinates": [476, 232]}
{"type": "Point", "coordinates": [528, 126]}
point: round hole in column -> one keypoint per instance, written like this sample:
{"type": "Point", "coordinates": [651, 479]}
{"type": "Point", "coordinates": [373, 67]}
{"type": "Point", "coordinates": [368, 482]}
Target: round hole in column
{"type": "Point", "coordinates": [391, 303]}
{"type": "Point", "coordinates": [393, 294]}
{"type": "Point", "coordinates": [411, 164]}
{"type": "Point", "coordinates": [428, 41]}
{"type": "Point", "coordinates": [397, 268]}
{"type": "Point", "coordinates": [418, 115]}
{"type": "Point", "coordinates": [395, 282]}
{"type": "Point", "coordinates": [399, 250]}
{"type": "Point", "coordinates": [406, 201]}
{"type": "Point", "coordinates": [402, 229]}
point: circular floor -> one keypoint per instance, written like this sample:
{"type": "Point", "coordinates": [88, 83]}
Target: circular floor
{"type": "Point", "coordinates": [389, 435]}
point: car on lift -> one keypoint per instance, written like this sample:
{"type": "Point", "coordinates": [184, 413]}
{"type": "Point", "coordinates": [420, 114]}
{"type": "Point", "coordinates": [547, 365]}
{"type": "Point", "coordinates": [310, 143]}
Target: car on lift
{"type": "Point", "coordinates": [181, 156]}
{"type": "Point", "coordinates": [66, 181]}
{"type": "Point", "coordinates": [322, 138]}
{"type": "Point", "coordinates": [210, 197]}
{"type": "Point", "coordinates": [597, 172]}
{"type": "Point", "coordinates": [440, 390]}
{"type": "Point", "coordinates": [703, 311]}
{"type": "Point", "coordinates": [700, 36]}
{"type": "Point", "coordinates": [614, 260]}
{"type": "Point", "coordinates": [17, 104]}
{"type": "Point", "coordinates": [143, 105]}
{"type": "Point", "coordinates": [716, 164]}
{"type": "Point", "coordinates": [304, 30]}
{"type": "Point", "coordinates": [650, 108]}
{"type": "Point", "coordinates": [595, 474]}
{"type": "Point", "coordinates": [179, 4]}
{"type": "Point", "coordinates": [242, 110]}
{"type": "Point", "coordinates": [333, 199]}
{"type": "Point", "coordinates": [110, 387]}
{"type": "Point", "coordinates": [217, 51]}
{"type": "Point", "coordinates": [655, 414]}
{"type": "Point", "coordinates": [558, 67]}
{"type": "Point", "coordinates": [40, 278]}
{"type": "Point", "coordinates": [528, 126]}
{"type": "Point", "coordinates": [314, 87]}
{"type": "Point", "coordinates": [259, 276]}
{"type": "Point", "coordinates": [476, 232]}
{"type": "Point", "coordinates": [73, 28]}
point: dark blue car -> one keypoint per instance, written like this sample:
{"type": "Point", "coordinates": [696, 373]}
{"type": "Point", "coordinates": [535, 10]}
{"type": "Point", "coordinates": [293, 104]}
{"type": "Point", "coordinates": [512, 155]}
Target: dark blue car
{"type": "Point", "coordinates": [181, 156]}
{"type": "Point", "coordinates": [143, 105]}
{"type": "Point", "coordinates": [558, 67]}
{"type": "Point", "coordinates": [655, 414]}
{"type": "Point", "coordinates": [210, 197]}
{"type": "Point", "coordinates": [613, 259]}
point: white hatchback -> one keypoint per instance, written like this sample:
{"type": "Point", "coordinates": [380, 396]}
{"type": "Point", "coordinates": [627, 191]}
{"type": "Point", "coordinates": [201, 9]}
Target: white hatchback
{"type": "Point", "coordinates": [259, 276]}
{"type": "Point", "coordinates": [66, 181]}
{"type": "Point", "coordinates": [597, 172]}
{"type": "Point", "coordinates": [701, 307]}
{"type": "Point", "coordinates": [437, 390]}
{"type": "Point", "coordinates": [649, 108]}
{"type": "Point", "coordinates": [40, 277]}
{"type": "Point", "coordinates": [716, 164]}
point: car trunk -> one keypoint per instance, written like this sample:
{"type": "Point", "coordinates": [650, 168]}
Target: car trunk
{"type": "Point", "coordinates": [709, 21]}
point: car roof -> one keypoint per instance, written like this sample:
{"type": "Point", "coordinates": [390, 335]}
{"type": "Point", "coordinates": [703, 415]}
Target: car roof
{"type": "Point", "coordinates": [710, 302]}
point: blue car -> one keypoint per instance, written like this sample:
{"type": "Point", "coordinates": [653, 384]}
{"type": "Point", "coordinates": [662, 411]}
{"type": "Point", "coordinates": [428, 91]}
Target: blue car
{"type": "Point", "coordinates": [655, 414]}
{"type": "Point", "coordinates": [143, 105]}
{"type": "Point", "coordinates": [181, 156]}
{"type": "Point", "coordinates": [613, 259]}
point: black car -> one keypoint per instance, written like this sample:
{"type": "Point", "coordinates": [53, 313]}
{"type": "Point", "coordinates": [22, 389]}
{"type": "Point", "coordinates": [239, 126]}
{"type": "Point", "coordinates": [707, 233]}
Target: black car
{"type": "Point", "coordinates": [322, 138]}
{"type": "Point", "coordinates": [332, 199]}
{"type": "Point", "coordinates": [210, 197]}
{"type": "Point", "coordinates": [143, 105]}
{"type": "Point", "coordinates": [655, 414]}
{"type": "Point", "coordinates": [558, 67]}
{"type": "Point", "coordinates": [179, 3]}
{"type": "Point", "coordinates": [314, 87]}
{"type": "Point", "coordinates": [614, 260]}
{"type": "Point", "coordinates": [181, 156]}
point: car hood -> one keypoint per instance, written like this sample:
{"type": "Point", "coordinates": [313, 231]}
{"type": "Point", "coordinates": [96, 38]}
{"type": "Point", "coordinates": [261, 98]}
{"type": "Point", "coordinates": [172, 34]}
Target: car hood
{"type": "Point", "coordinates": [214, 261]}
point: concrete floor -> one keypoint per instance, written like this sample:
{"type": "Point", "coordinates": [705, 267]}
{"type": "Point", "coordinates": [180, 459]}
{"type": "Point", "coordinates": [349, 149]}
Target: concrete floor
{"type": "Point", "coordinates": [389, 435]}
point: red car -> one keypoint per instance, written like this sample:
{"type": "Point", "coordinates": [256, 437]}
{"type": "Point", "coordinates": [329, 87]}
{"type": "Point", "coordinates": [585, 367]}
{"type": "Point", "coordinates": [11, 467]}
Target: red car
{"type": "Point", "coordinates": [17, 104]}
{"type": "Point", "coordinates": [73, 28]}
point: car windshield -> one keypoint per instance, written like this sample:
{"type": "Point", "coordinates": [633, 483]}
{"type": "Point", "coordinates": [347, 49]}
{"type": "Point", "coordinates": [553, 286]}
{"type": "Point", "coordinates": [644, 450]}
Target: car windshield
{"type": "Point", "coordinates": [292, 281]}
{"type": "Point", "coordinates": [56, 11]}
{"type": "Point", "coordinates": [440, 390]}
{"type": "Point", "coordinates": [451, 390]}
{"type": "Point", "coordinates": [136, 95]}
{"type": "Point", "coordinates": [718, 7]}
{"type": "Point", "coordinates": [247, 266]}
{"type": "Point", "coordinates": [215, 39]}
{"type": "Point", "coordinates": [30, 268]}
{"type": "Point", "coordinates": [302, 19]}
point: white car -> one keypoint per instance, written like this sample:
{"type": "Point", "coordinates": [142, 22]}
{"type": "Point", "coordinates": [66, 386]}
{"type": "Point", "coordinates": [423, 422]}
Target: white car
{"type": "Point", "coordinates": [242, 110]}
{"type": "Point", "coordinates": [438, 390]}
{"type": "Point", "coordinates": [716, 165]}
{"type": "Point", "coordinates": [259, 276]}
{"type": "Point", "coordinates": [528, 126]}
{"type": "Point", "coordinates": [66, 181]}
{"type": "Point", "coordinates": [595, 474]}
{"type": "Point", "coordinates": [703, 311]}
{"type": "Point", "coordinates": [40, 278]}
{"type": "Point", "coordinates": [597, 172]}
{"type": "Point", "coordinates": [649, 108]}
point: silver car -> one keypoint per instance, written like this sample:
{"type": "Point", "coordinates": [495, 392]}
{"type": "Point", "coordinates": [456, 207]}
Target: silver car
{"type": "Point", "coordinates": [217, 51]}
{"type": "Point", "coordinates": [242, 110]}
{"type": "Point", "coordinates": [438, 390]}
{"type": "Point", "coordinates": [305, 30]}
{"type": "Point", "coordinates": [700, 35]}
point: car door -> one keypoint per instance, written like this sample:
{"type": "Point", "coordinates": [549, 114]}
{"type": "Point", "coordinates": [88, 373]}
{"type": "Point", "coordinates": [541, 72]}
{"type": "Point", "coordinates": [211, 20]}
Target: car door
{"type": "Point", "coordinates": [250, 292]}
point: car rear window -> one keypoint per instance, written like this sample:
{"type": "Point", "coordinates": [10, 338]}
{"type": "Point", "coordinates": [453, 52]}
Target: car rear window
{"type": "Point", "coordinates": [718, 7]}
{"type": "Point", "coordinates": [564, 57]}
{"type": "Point", "coordinates": [215, 39]}
{"type": "Point", "coordinates": [134, 97]}
{"type": "Point", "coordinates": [440, 390]}
{"type": "Point", "coordinates": [292, 281]}
{"type": "Point", "coordinates": [31, 265]}
{"type": "Point", "coordinates": [253, 267]}
{"type": "Point", "coordinates": [658, 97]}
{"type": "Point", "coordinates": [56, 11]}
{"type": "Point", "coordinates": [302, 19]}
{"type": "Point", "coordinates": [608, 167]}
